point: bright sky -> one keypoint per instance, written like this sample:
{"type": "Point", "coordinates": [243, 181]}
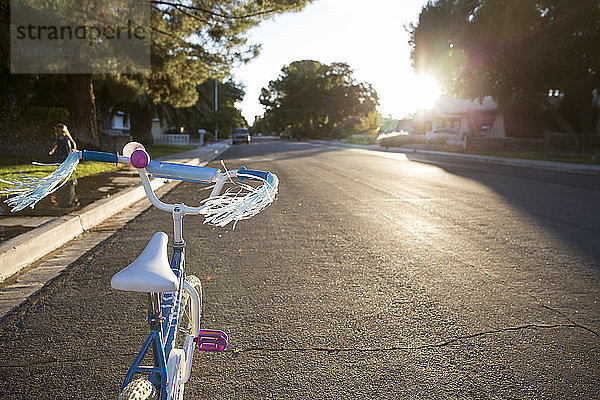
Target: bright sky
{"type": "Point", "coordinates": [368, 35]}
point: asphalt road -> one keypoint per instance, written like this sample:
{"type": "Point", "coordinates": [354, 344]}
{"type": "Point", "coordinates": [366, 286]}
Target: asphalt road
{"type": "Point", "coordinates": [373, 276]}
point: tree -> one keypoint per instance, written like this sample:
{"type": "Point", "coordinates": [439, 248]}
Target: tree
{"type": "Point", "coordinates": [202, 113]}
{"type": "Point", "coordinates": [259, 125]}
{"type": "Point", "coordinates": [191, 42]}
{"type": "Point", "coordinates": [314, 98]}
{"type": "Point", "coordinates": [194, 42]}
{"type": "Point", "coordinates": [539, 51]}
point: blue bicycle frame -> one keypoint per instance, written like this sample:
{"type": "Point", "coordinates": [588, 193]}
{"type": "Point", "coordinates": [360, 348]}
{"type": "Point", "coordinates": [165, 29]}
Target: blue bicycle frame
{"type": "Point", "coordinates": [163, 326]}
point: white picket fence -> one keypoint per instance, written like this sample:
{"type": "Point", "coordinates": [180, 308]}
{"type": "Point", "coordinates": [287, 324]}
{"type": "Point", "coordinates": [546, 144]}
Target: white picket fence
{"type": "Point", "coordinates": [172, 139]}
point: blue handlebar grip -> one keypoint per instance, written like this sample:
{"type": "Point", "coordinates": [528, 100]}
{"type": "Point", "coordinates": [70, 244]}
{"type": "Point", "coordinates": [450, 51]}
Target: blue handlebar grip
{"type": "Point", "coordinates": [180, 171]}
{"type": "Point", "coordinates": [250, 173]}
{"type": "Point", "coordinates": [99, 156]}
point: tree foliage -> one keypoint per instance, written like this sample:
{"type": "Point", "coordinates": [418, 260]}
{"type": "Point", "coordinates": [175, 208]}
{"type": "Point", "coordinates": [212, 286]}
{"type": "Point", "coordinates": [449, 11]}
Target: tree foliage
{"type": "Point", "coordinates": [314, 98]}
{"type": "Point", "coordinates": [192, 41]}
{"type": "Point", "coordinates": [540, 51]}
{"type": "Point", "coordinates": [197, 40]}
{"type": "Point", "coordinates": [201, 115]}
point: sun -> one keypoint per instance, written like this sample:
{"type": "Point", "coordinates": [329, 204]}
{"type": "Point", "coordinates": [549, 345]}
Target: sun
{"type": "Point", "coordinates": [409, 94]}
{"type": "Point", "coordinates": [424, 92]}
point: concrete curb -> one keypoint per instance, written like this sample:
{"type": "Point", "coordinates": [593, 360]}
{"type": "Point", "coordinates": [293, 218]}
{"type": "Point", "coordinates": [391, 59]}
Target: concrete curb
{"type": "Point", "coordinates": [519, 162]}
{"type": "Point", "coordinates": [18, 252]}
{"type": "Point", "coordinates": [515, 162]}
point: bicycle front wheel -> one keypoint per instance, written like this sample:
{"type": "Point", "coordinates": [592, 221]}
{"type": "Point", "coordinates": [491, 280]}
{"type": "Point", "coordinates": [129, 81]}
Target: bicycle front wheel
{"type": "Point", "coordinates": [188, 312]}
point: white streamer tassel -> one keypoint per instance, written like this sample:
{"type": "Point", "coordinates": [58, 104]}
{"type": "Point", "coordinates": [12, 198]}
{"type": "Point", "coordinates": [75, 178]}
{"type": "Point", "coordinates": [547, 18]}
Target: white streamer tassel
{"type": "Point", "coordinates": [239, 202]}
{"type": "Point", "coordinates": [28, 190]}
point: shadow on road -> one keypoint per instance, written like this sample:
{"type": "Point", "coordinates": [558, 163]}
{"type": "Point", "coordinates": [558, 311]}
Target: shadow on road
{"type": "Point", "coordinates": [564, 203]}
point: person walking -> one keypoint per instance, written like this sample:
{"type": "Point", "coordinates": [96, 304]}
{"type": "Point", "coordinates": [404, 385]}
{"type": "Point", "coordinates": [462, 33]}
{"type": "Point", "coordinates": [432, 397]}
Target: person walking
{"type": "Point", "coordinates": [64, 143]}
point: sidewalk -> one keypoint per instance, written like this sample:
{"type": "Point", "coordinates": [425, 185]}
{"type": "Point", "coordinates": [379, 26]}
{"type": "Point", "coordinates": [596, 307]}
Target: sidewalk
{"type": "Point", "coordinates": [53, 232]}
{"type": "Point", "coordinates": [516, 162]}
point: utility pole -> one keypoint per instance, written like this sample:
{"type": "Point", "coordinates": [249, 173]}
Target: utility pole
{"type": "Point", "coordinates": [216, 109]}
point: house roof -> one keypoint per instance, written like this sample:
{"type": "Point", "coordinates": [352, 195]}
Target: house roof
{"type": "Point", "coordinates": [452, 105]}
{"type": "Point", "coordinates": [447, 106]}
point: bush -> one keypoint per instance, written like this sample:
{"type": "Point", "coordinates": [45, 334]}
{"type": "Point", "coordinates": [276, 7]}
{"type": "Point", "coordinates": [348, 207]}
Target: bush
{"type": "Point", "coordinates": [31, 134]}
{"type": "Point", "coordinates": [362, 139]}
{"type": "Point", "coordinates": [440, 139]}
{"type": "Point", "coordinates": [346, 128]}
{"type": "Point", "coordinates": [48, 114]}
{"type": "Point", "coordinates": [399, 139]}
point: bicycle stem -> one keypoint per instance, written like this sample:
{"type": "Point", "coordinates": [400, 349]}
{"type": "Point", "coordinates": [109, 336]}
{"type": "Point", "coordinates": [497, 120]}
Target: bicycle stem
{"type": "Point", "coordinates": [178, 241]}
{"type": "Point", "coordinates": [221, 179]}
{"type": "Point", "coordinates": [178, 210]}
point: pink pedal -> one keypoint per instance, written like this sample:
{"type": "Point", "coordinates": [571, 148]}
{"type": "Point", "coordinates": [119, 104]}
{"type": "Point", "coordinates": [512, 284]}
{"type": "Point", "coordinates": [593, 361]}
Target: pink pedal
{"type": "Point", "coordinates": [211, 340]}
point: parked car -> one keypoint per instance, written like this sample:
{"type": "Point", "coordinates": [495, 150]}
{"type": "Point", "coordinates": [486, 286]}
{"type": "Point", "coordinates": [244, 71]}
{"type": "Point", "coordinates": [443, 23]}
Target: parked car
{"type": "Point", "coordinates": [241, 135]}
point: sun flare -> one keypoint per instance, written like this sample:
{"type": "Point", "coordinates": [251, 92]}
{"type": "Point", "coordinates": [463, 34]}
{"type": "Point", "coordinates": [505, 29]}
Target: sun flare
{"type": "Point", "coordinates": [424, 92]}
{"type": "Point", "coordinates": [411, 93]}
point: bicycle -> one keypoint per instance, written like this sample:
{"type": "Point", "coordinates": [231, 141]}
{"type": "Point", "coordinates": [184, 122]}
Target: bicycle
{"type": "Point", "coordinates": [174, 299]}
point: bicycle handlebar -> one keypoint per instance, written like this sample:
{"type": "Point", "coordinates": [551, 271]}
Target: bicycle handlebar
{"type": "Point", "coordinates": [140, 159]}
{"type": "Point", "coordinates": [241, 202]}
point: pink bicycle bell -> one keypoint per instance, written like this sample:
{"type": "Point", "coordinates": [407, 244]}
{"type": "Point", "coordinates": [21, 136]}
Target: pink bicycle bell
{"type": "Point", "coordinates": [209, 340]}
{"type": "Point", "coordinates": [139, 159]}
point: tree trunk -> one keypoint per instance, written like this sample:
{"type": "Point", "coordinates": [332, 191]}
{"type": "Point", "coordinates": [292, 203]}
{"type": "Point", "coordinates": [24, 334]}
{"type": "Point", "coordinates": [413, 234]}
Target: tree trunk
{"type": "Point", "coordinates": [84, 121]}
{"type": "Point", "coordinates": [4, 32]}
{"type": "Point", "coordinates": [141, 125]}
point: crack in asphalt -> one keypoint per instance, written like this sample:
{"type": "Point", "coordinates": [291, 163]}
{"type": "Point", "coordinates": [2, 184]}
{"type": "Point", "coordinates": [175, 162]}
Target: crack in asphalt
{"type": "Point", "coordinates": [532, 297]}
{"type": "Point", "coordinates": [407, 348]}
{"type": "Point", "coordinates": [329, 350]}
{"type": "Point", "coordinates": [562, 314]}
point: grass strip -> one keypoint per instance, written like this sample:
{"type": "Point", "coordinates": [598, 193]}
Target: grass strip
{"type": "Point", "coordinates": [14, 168]}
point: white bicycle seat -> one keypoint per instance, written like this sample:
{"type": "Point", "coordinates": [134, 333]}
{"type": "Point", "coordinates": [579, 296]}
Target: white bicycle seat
{"type": "Point", "coordinates": [150, 272]}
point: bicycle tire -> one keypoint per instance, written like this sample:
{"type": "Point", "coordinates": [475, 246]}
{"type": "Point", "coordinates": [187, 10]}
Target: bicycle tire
{"type": "Point", "coordinates": [184, 324]}
{"type": "Point", "coordinates": [139, 389]}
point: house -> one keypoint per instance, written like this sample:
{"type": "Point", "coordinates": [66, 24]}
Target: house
{"type": "Point", "coordinates": [461, 117]}
{"type": "Point", "coordinates": [164, 134]}
{"type": "Point", "coordinates": [406, 125]}
{"type": "Point", "coordinates": [116, 123]}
